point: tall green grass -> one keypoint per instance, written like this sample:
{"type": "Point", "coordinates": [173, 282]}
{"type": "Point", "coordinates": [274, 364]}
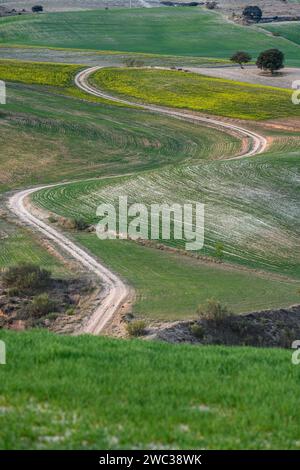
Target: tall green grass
{"type": "Point", "coordinates": [98, 393]}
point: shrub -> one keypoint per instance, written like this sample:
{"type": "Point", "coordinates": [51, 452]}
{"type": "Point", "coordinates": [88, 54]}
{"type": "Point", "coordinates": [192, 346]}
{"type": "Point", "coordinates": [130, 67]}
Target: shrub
{"type": "Point", "coordinates": [213, 310]}
{"type": "Point", "coordinates": [80, 224]}
{"type": "Point", "coordinates": [37, 8]}
{"type": "Point", "coordinates": [131, 62]}
{"type": "Point", "coordinates": [136, 328]}
{"type": "Point", "coordinates": [70, 311]}
{"type": "Point", "coordinates": [26, 277]}
{"type": "Point", "coordinates": [52, 219]}
{"type": "Point", "coordinates": [13, 292]}
{"type": "Point", "coordinates": [219, 250]}
{"type": "Point", "coordinates": [41, 305]}
{"type": "Point", "coordinates": [197, 331]}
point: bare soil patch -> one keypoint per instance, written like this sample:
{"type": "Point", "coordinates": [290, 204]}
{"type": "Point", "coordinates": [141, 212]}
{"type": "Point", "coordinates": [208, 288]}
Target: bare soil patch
{"type": "Point", "coordinates": [270, 328]}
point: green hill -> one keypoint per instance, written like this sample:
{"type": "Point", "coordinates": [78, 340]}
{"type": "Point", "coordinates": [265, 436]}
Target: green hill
{"type": "Point", "coordinates": [179, 31]}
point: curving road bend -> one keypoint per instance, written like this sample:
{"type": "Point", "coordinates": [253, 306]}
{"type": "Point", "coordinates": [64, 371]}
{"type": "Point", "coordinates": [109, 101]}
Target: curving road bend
{"type": "Point", "coordinates": [114, 292]}
{"type": "Point", "coordinates": [259, 143]}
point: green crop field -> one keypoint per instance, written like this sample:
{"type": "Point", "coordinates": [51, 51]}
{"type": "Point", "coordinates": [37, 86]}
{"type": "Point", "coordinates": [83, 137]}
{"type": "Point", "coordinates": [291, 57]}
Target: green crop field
{"type": "Point", "coordinates": [251, 205]}
{"type": "Point", "coordinates": [178, 31]}
{"type": "Point", "coordinates": [156, 275]}
{"type": "Point", "coordinates": [46, 137]}
{"type": "Point", "coordinates": [17, 245]}
{"type": "Point", "coordinates": [288, 30]}
{"type": "Point", "coordinates": [197, 92]}
{"type": "Point", "coordinates": [98, 393]}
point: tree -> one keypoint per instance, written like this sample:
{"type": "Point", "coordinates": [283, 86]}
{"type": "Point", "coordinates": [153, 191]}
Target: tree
{"type": "Point", "coordinates": [37, 8]}
{"type": "Point", "coordinates": [252, 13]}
{"type": "Point", "coordinates": [272, 60]}
{"type": "Point", "coordinates": [241, 58]}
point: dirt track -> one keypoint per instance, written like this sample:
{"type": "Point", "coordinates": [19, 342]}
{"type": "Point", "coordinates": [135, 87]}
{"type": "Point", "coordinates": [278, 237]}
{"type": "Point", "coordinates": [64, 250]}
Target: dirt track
{"type": "Point", "coordinates": [259, 143]}
{"type": "Point", "coordinates": [115, 292]}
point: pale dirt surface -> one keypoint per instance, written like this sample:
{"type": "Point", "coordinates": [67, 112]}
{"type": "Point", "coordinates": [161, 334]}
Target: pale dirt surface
{"type": "Point", "coordinates": [251, 74]}
{"type": "Point", "coordinates": [114, 292]}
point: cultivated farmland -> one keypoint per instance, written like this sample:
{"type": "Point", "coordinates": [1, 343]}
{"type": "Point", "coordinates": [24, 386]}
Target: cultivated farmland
{"type": "Point", "coordinates": [199, 93]}
{"type": "Point", "coordinates": [231, 146]}
{"type": "Point", "coordinates": [201, 33]}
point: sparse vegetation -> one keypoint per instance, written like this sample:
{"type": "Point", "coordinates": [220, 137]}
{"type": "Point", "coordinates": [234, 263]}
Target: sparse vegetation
{"type": "Point", "coordinates": [26, 277]}
{"type": "Point", "coordinates": [213, 311]}
{"type": "Point", "coordinates": [136, 328]}
{"type": "Point", "coordinates": [37, 8]}
{"type": "Point", "coordinates": [197, 330]}
{"type": "Point", "coordinates": [41, 305]}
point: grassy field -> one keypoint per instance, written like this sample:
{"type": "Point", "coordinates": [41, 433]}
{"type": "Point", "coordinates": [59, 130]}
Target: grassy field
{"type": "Point", "coordinates": [17, 245]}
{"type": "Point", "coordinates": [197, 92]}
{"type": "Point", "coordinates": [46, 137]}
{"type": "Point", "coordinates": [287, 30]}
{"type": "Point", "coordinates": [156, 275]}
{"type": "Point", "coordinates": [201, 33]}
{"type": "Point", "coordinates": [251, 205]}
{"type": "Point", "coordinates": [97, 393]}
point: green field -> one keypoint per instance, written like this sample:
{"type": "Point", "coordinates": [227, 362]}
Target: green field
{"type": "Point", "coordinates": [197, 92]}
{"type": "Point", "coordinates": [59, 75]}
{"type": "Point", "coordinates": [287, 30]}
{"type": "Point", "coordinates": [178, 31]}
{"type": "Point", "coordinates": [17, 245]}
{"type": "Point", "coordinates": [46, 137]}
{"type": "Point", "coordinates": [97, 393]}
{"type": "Point", "coordinates": [251, 205]}
{"type": "Point", "coordinates": [156, 275]}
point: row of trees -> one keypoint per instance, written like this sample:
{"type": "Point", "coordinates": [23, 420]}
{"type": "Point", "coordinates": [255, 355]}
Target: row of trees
{"type": "Point", "coordinates": [270, 60]}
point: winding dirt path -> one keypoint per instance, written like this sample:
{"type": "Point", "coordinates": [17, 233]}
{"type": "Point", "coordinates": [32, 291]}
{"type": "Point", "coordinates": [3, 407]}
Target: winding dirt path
{"type": "Point", "coordinates": [259, 143]}
{"type": "Point", "coordinates": [114, 292]}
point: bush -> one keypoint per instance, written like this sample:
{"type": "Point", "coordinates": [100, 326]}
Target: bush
{"type": "Point", "coordinates": [80, 224]}
{"type": "Point", "coordinates": [26, 277]}
{"type": "Point", "coordinates": [37, 8]}
{"type": "Point", "coordinates": [197, 331]}
{"type": "Point", "coordinates": [136, 328]}
{"type": "Point", "coordinates": [131, 62]}
{"type": "Point", "coordinates": [213, 310]}
{"type": "Point", "coordinates": [52, 219]}
{"type": "Point", "coordinates": [70, 311]}
{"type": "Point", "coordinates": [219, 250]}
{"type": "Point", "coordinates": [41, 305]}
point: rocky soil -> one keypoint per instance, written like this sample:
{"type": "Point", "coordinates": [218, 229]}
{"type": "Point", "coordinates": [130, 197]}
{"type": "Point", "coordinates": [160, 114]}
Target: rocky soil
{"type": "Point", "coordinates": [270, 328]}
